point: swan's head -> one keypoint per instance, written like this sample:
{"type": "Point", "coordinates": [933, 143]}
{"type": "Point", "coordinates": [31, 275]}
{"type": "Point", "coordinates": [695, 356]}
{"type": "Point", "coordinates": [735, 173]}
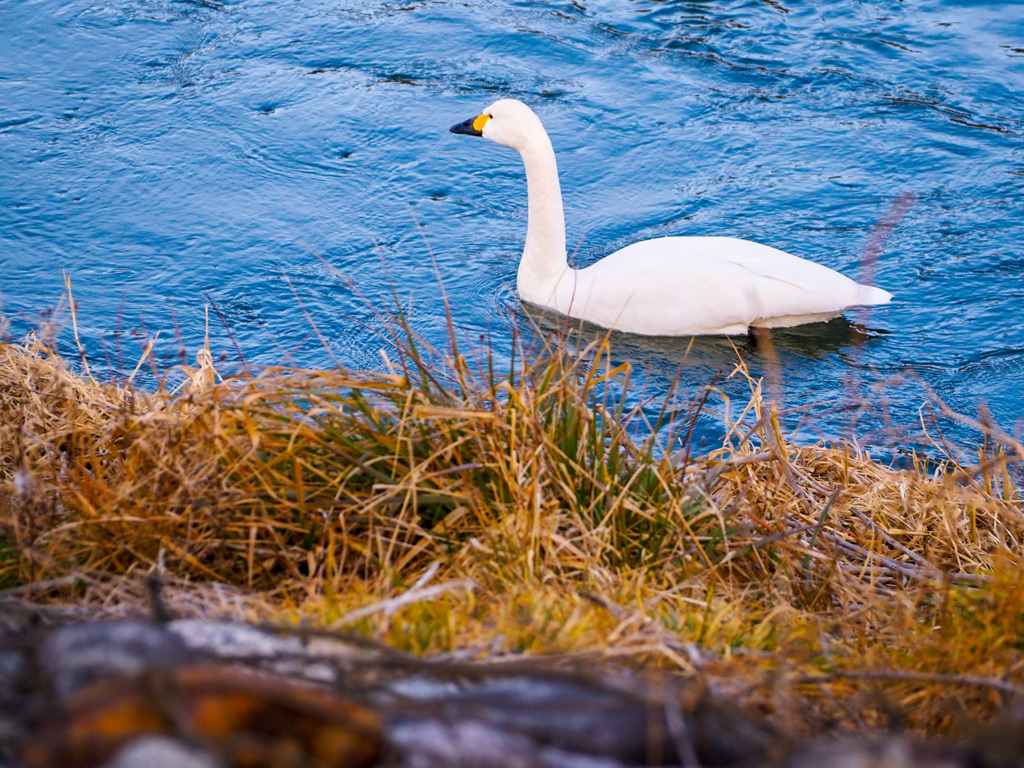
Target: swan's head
{"type": "Point", "coordinates": [507, 122]}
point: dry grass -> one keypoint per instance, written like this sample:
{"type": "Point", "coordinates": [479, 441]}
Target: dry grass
{"type": "Point", "coordinates": [445, 508]}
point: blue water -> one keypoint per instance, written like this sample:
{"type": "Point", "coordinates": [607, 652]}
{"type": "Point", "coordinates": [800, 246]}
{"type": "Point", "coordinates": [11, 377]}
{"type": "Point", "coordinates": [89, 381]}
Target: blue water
{"type": "Point", "coordinates": [169, 154]}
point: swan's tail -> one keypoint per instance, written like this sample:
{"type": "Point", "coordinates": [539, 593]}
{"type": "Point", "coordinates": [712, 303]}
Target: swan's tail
{"type": "Point", "coordinates": [868, 295]}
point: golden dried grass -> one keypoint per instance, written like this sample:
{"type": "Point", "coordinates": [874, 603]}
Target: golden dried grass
{"type": "Point", "coordinates": [445, 508]}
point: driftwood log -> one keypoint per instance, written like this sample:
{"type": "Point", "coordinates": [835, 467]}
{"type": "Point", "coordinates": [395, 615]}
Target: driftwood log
{"type": "Point", "coordinates": [190, 693]}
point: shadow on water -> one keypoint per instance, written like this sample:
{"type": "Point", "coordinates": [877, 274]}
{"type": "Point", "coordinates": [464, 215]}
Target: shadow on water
{"type": "Point", "coordinates": [813, 341]}
{"type": "Point", "coordinates": [680, 369]}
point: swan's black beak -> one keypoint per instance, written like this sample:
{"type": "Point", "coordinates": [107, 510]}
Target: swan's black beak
{"type": "Point", "coordinates": [471, 127]}
{"type": "Point", "coordinates": [466, 127]}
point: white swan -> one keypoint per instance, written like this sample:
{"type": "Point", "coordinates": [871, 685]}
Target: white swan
{"type": "Point", "coordinates": [668, 286]}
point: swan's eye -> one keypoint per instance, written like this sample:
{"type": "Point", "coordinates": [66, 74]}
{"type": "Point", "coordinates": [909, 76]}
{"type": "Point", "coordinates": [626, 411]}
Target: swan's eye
{"type": "Point", "coordinates": [480, 122]}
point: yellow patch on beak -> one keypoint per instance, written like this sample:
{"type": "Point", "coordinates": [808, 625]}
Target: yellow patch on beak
{"type": "Point", "coordinates": [480, 122]}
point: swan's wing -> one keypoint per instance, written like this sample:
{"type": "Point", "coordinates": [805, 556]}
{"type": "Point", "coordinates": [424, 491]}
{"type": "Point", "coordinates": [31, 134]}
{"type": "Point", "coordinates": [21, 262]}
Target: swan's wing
{"type": "Point", "coordinates": [683, 285]}
{"type": "Point", "coordinates": [764, 262]}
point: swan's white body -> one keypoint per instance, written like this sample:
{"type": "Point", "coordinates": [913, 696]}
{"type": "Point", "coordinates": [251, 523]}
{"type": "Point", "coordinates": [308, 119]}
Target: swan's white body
{"type": "Point", "coordinates": [668, 286]}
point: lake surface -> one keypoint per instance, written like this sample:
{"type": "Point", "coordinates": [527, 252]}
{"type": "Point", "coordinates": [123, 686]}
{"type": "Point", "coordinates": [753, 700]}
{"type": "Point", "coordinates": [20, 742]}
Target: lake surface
{"type": "Point", "coordinates": [250, 154]}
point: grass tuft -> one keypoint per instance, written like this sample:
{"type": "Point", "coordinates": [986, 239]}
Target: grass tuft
{"type": "Point", "coordinates": [442, 507]}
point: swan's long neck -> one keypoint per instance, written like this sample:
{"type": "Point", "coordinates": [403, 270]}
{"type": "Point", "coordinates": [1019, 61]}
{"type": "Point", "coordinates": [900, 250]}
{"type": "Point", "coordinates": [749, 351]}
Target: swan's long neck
{"type": "Point", "coordinates": [544, 260]}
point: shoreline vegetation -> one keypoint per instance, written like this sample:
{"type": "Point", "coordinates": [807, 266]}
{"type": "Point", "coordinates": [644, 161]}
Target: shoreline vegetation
{"type": "Point", "coordinates": [443, 509]}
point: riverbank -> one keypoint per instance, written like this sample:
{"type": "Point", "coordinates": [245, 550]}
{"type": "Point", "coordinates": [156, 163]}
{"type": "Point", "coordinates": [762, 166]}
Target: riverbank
{"type": "Point", "coordinates": [441, 509]}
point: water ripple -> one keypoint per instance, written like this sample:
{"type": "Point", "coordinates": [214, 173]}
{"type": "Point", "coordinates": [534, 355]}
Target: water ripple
{"type": "Point", "coordinates": [169, 154]}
